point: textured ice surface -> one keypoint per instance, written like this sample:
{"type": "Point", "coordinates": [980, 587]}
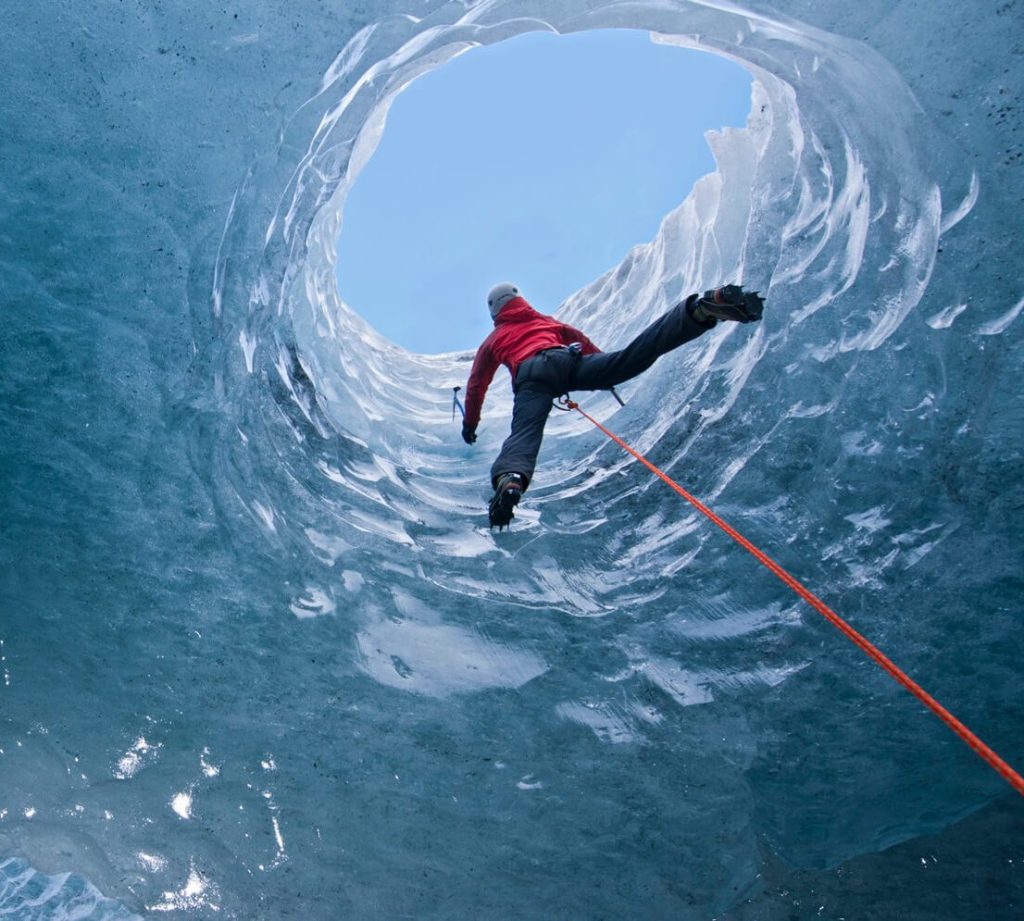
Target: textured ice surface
{"type": "Point", "coordinates": [259, 656]}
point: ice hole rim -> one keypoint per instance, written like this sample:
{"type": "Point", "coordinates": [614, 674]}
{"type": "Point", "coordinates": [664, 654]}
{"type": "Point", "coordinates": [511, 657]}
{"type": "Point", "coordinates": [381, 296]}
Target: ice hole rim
{"type": "Point", "coordinates": [355, 96]}
{"type": "Point", "coordinates": [292, 296]}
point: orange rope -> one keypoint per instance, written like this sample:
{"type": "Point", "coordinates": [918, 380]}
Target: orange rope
{"type": "Point", "coordinates": [980, 748]}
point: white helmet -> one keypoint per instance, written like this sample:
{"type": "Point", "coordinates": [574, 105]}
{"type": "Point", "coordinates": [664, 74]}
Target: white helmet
{"type": "Point", "coordinates": [500, 295]}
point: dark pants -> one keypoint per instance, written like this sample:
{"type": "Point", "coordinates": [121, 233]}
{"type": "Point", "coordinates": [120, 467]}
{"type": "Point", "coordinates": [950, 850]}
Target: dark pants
{"type": "Point", "coordinates": [553, 372]}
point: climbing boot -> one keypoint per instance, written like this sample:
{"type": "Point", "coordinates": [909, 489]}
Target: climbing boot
{"type": "Point", "coordinates": [507, 492]}
{"type": "Point", "coordinates": [730, 302]}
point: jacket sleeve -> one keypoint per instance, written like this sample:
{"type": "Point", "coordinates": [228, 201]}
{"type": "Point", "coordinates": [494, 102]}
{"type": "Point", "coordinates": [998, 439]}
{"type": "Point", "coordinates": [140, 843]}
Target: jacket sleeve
{"type": "Point", "coordinates": [570, 334]}
{"type": "Point", "coordinates": [480, 377]}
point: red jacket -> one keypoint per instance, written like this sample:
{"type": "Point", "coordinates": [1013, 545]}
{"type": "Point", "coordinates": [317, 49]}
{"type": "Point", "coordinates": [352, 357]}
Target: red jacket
{"type": "Point", "coordinates": [520, 332]}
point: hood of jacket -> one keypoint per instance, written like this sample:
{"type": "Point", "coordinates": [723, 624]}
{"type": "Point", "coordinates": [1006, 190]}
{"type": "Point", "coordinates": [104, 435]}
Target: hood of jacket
{"type": "Point", "coordinates": [517, 310]}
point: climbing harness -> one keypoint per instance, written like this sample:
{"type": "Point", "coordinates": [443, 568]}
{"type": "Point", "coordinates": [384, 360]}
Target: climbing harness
{"type": "Point", "coordinates": [980, 748]}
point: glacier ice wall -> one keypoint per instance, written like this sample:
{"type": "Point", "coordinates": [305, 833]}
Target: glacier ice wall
{"type": "Point", "coordinates": [259, 654]}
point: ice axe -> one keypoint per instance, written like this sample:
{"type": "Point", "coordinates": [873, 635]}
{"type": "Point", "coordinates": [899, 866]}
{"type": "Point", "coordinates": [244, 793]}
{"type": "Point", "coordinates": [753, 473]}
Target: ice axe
{"type": "Point", "coordinates": [457, 402]}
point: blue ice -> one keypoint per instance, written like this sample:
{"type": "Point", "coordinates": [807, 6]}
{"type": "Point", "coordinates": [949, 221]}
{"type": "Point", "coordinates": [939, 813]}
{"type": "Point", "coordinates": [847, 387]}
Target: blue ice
{"type": "Point", "coordinates": [260, 656]}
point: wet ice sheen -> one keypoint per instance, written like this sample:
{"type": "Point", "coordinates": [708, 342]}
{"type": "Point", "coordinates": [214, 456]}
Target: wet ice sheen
{"type": "Point", "coordinates": [261, 656]}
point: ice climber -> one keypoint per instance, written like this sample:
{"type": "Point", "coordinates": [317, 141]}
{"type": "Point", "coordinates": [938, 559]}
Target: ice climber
{"type": "Point", "coordinates": [548, 358]}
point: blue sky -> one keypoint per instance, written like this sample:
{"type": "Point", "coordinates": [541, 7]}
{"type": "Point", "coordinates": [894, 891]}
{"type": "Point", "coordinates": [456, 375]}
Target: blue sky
{"type": "Point", "coordinates": [540, 160]}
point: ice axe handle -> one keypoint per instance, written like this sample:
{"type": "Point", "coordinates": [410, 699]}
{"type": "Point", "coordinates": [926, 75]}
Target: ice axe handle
{"type": "Point", "coordinates": [457, 402]}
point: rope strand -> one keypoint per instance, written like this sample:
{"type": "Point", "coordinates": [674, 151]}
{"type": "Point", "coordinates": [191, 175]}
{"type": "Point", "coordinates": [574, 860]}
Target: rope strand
{"type": "Point", "coordinates": [977, 746]}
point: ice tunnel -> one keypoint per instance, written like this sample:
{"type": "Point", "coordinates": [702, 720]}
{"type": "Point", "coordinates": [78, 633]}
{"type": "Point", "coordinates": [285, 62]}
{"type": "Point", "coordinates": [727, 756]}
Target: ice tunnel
{"type": "Point", "coordinates": [260, 656]}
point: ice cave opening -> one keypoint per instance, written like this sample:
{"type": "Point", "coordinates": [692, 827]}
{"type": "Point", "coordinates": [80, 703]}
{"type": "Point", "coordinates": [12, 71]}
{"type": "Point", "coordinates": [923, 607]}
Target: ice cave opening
{"type": "Point", "coordinates": [544, 156]}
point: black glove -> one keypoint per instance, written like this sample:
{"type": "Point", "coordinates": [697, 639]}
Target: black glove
{"type": "Point", "coordinates": [729, 303]}
{"type": "Point", "coordinates": [468, 434]}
